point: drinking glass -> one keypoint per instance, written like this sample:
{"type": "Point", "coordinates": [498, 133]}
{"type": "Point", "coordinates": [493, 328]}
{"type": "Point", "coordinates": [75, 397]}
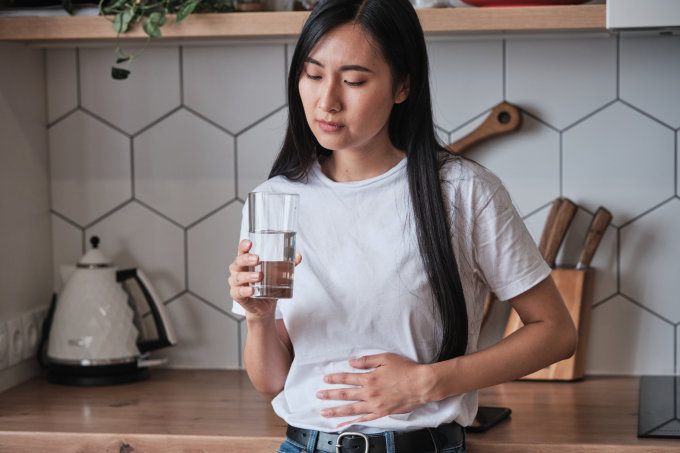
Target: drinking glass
{"type": "Point", "coordinates": [272, 221]}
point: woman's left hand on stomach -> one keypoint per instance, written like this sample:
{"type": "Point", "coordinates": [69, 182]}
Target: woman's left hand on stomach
{"type": "Point", "coordinates": [395, 385]}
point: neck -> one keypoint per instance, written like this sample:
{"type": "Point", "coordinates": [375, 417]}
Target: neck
{"type": "Point", "coordinates": [346, 165]}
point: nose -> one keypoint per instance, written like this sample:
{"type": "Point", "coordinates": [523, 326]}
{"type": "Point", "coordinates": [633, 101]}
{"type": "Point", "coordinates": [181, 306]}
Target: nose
{"type": "Point", "coordinates": [329, 99]}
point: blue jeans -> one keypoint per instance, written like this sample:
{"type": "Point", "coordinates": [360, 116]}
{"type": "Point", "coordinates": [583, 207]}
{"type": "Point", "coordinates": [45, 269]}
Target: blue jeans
{"type": "Point", "coordinates": [289, 446]}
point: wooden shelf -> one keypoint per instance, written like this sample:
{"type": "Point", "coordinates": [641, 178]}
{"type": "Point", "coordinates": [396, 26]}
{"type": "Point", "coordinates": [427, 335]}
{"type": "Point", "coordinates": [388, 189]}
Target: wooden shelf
{"type": "Point", "coordinates": [281, 24]}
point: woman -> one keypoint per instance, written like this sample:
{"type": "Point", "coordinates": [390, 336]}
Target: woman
{"type": "Point", "coordinates": [401, 242]}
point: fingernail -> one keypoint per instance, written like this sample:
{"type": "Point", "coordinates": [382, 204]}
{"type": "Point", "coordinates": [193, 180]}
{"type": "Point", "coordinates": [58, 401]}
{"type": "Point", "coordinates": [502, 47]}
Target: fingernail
{"type": "Point", "coordinates": [252, 259]}
{"type": "Point", "coordinates": [325, 412]}
{"type": "Point", "coordinates": [254, 275]}
{"type": "Point", "coordinates": [319, 395]}
{"type": "Point", "coordinates": [326, 379]}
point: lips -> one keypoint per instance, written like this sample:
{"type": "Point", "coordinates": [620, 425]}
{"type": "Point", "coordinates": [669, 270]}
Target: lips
{"type": "Point", "coordinates": [328, 126]}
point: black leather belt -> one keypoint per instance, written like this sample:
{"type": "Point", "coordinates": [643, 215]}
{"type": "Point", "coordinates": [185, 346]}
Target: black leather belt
{"type": "Point", "coordinates": [419, 441]}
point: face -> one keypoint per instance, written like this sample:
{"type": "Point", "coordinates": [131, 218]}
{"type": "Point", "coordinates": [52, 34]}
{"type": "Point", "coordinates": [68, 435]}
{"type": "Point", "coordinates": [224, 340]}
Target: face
{"type": "Point", "coordinates": [347, 92]}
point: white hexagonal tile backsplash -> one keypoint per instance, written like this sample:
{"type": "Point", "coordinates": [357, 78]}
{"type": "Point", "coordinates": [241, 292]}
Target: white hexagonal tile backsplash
{"type": "Point", "coordinates": [134, 236]}
{"type": "Point", "coordinates": [527, 161]}
{"type": "Point", "coordinates": [650, 248]}
{"type": "Point", "coordinates": [626, 339]}
{"type": "Point", "coordinates": [621, 159]}
{"type": "Point", "coordinates": [561, 80]}
{"type": "Point", "coordinates": [151, 91]}
{"type": "Point", "coordinates": [89, 168]}
{"type": "Point", "coordinates": [257, 150]}
{"type": "Point", "coordinates": [62, 82]}
{"type": "Point", "coordinates": [204, 335]}
{"type": "Point", "coordinates": [234, 86]}
{"type": "Point", "coordinates": [466, 79]}
{"type": "Point", "coordinates": [212, 246]}
{"type": "Point", "coordinates": [184, 167]}
{"type": "Point", "coordinates": [647, 68]}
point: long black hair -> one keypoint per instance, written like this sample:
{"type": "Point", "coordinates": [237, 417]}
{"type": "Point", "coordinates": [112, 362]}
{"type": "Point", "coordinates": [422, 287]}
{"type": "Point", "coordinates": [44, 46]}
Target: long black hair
{"type": "Point", "coordinates": [394, 26]}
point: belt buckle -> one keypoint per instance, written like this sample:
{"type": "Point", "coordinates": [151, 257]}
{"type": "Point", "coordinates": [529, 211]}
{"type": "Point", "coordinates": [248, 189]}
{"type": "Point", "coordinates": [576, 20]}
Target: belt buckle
{"type": "Point", "coordinates": [338, 445]}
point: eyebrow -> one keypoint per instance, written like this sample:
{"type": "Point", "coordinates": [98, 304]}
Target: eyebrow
{"type": "Point", "coordinates": [350, 67]}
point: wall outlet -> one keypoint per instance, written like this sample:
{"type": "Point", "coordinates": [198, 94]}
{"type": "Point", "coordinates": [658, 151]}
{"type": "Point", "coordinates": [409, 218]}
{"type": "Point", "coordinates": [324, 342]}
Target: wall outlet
{"type": "Point", "coordinates": [4, 345]}
{"type": "Point", "coordinates": [16, 341]}
{"type": "Point", "coordinates": [29, 324]}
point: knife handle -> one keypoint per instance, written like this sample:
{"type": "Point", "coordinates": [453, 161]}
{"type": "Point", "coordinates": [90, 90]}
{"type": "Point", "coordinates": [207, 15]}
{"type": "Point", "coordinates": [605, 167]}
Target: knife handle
{"type": "Point", "coordinates": [565, 214]}
{"type": "Point", "coordinates": [503, 118]}
{"type": "Point", "coordinates": [549, 221]}
{"type": "Point", "coordinates": [597, 228]}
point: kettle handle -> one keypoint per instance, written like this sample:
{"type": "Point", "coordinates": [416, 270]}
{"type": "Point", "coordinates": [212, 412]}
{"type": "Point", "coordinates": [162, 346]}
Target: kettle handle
{"type": "Point", "coordinates": [166, 334]}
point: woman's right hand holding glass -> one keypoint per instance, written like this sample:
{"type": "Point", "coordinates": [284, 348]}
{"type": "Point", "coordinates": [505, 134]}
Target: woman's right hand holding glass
{"type": "Point", "coordinates": [241, 275]}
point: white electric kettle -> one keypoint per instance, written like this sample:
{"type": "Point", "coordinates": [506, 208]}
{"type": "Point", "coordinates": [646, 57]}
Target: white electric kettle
{"type": "Point", "coordinates": [98, 332]}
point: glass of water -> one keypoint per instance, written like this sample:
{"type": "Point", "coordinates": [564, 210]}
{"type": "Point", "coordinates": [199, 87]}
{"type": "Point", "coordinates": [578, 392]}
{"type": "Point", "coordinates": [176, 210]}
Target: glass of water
{"type": "Point", "coordinates": [272, 221]}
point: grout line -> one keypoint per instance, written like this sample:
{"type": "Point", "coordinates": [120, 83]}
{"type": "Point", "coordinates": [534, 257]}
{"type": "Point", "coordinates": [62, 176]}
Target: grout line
{"type": "Point", "coordinates": [605, 300]}
{"type": "Point", "coordinates": [235, 146]}
{"type": "Point", "coordinates": [158, 213]}
{"type": "Point", "coordinates": [185, 235]}
{"type": "Point", "coordinates": [211, 213]}
{"type": "Point", "coordinates": [648, 310]}
{"type": "Point", "coordinates": [560, 169]}
{"type": "Point", "coordinates": [618, 258]}
{"type": "Point", "coordinates": [504, 68]}
{"type": "Point", "coordinates": [104, 122]}
{"type": "Point", "coordinates": [208, 120]}
{"type": "Point", "coordinates": [181, 75]}
{"type": "Point", "coordinates": [213, 306]}
{"type": "Point", "coordinates": [648, 211]}
{"type": "Point", "coordinates": [157, 121]}
{"type": "Point", "coordinates": [108, 213]}
{"type": "Point", "coordinates": [648, 115]}
{"type": "Point", "coordinates": [590, 115]}
{"type": "Point", "coordinates": [618, 66]}
{"type": "Point", "coordinates": [133, 186]}
{"type": "Point", "coordinates": [240, 343]}
{"type": "Point", "coordinates": [261, 120]}
{"type": "Point", "coordinates": [78, 81]}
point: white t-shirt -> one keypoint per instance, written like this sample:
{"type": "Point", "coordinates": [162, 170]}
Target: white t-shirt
{"type": "Point", "coordinates": [362, 289]}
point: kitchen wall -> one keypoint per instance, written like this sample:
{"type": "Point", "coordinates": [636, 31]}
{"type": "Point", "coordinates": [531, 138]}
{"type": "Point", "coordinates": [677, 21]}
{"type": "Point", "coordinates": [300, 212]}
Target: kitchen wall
{"type": "Point", "coordinates": [158, 166]}
{"type": "Point", "coordinates": [25, 237]}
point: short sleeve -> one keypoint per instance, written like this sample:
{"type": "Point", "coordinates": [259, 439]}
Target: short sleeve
{"type": "Point", "coordinates": [505, 253]}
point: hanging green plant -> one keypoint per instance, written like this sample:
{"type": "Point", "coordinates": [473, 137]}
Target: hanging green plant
{"type": "Point", "coordinates": [153, 15]}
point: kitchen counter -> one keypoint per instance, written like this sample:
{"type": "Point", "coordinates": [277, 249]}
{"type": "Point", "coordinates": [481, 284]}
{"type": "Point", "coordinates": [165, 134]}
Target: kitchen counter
{"type": "Point", "coordinates": [211, 411]}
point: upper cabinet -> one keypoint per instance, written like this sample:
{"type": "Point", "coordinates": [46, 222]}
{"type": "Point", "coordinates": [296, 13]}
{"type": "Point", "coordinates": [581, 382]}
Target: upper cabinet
{"type": "Point", "coordinates": [275, 24]}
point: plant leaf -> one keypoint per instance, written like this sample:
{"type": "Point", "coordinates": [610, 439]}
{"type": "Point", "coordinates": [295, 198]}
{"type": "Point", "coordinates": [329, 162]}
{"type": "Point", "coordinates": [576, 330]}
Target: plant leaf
{"type": "Point", "coordinates": [187, 8]}
{"type": "Point", "coordinates": [158, 18]}
{"type": "Point", "coordinates": [122, 60]}
{"type": "Point", "coordinates": [118, 23]}
{"type": "Point", "coordinates": [119, 73]}
{"type": "Point", "coordinates": [151, 29]}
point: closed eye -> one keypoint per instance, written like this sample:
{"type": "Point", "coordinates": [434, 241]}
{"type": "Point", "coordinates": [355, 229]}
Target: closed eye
{"type": "Point", "coordinates": [313, 77]}
{"type": "Point", "coordinates": [353, 84]}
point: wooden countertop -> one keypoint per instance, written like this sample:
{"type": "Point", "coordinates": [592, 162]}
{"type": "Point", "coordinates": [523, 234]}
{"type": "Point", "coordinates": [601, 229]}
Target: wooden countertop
{"type": "Point", "coordinates": [211, 411]}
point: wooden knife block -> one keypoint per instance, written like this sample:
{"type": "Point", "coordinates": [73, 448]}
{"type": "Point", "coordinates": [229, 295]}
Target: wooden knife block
{"type": "Point", "coordinates": [576, 288]}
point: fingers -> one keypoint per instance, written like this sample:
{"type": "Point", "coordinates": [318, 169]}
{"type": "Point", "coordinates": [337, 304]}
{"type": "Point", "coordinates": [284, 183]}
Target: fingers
{"type": "Point", "coordinates": [347, 410]}
{"type": "Point", "coordinates": [244, 246]}
{"type": "Point", "coordinates": [345, 378]}
{"type": "Point", "coordinates": [346, 394]}
{"type": "Point", "coordinates": [365, 418]}
{"type": "Point", "coordinates": [298, 259]}
{"type": "Point", "coordinates": [368, 361]}
{"type": "Point", "coordinates": [241, 293]}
